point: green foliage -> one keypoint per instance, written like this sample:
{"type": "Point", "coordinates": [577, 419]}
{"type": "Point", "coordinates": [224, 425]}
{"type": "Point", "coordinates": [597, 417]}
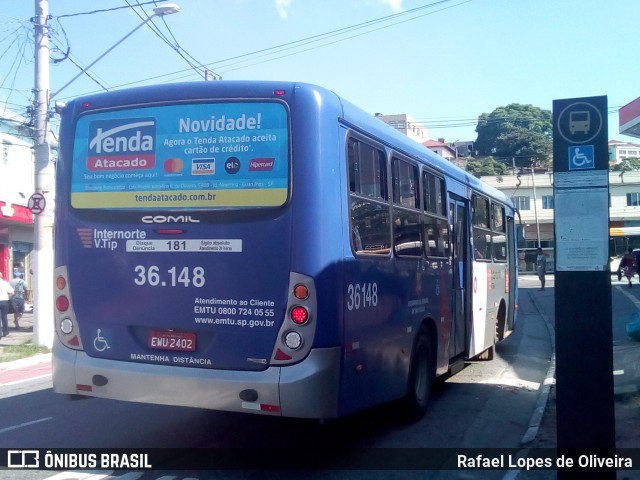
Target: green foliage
{"type": "Point", "coordinates": [487, 166]}
{"type": "Point", "coordinates": [16, 352]}
{"type": "Point", "coordinates": [627, 165]}
{"type": "Point", "coordinates": [519, 132]}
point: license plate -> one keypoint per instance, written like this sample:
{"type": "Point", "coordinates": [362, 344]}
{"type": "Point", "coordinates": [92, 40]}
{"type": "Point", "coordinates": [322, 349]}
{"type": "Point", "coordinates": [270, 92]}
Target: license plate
{"type": "Point", "coordinates": [176, 341]}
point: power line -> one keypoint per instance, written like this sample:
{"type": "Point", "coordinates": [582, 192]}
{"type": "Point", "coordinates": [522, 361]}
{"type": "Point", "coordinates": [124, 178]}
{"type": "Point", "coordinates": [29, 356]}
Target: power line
{"type": "Point", "coordinates": [191, 61]}
{"type": "Point", "coordinates": [235, 60]}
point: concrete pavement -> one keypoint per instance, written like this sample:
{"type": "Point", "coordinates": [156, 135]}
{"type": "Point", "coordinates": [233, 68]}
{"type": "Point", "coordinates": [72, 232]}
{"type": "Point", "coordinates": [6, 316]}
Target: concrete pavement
{"type": "Point", "coordinates": [626, 356]}
{"type": "Point", "coordinates": [12, 371]}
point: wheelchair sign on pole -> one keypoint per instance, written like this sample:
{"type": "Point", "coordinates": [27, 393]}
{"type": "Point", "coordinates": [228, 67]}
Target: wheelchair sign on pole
{"type": "Point", "coordinates": [581, 158]}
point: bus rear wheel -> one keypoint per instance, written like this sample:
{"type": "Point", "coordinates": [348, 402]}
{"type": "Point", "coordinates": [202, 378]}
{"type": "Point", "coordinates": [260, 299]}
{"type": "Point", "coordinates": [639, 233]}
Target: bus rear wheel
{"type": "Point", "coordinates": [421, 377]}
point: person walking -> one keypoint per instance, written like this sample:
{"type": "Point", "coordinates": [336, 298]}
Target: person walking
{"type": "Point", "coordinates": [541, 267]}
{"type": "Point", "coordinates": [6, 291]}
{"type": "Point", "coordinates": [17, 301]}
{"type": "Point", "coordinates": [628, 265]}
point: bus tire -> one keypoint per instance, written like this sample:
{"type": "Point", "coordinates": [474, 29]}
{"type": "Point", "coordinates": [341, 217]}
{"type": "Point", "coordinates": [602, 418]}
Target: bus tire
{"type": "Point", "coordinates": [421, 377]}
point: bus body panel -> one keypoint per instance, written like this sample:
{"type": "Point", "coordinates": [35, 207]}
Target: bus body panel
{"type": "Point", "coordinates": [222, 312]}
{"type": "Point", "coordinates": [309, 388]}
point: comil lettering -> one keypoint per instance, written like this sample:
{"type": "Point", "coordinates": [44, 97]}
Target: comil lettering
{"type": "Point", "coordinates": [108, 141]}
{"type": "Point", "coordinates": [170, 219]}
{"type": "Point", "coordinates": [220, 124]}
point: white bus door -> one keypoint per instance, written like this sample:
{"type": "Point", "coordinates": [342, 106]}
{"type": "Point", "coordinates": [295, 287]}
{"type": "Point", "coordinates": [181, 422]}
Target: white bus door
{"type": "Point", "coordinates": [460, 240]}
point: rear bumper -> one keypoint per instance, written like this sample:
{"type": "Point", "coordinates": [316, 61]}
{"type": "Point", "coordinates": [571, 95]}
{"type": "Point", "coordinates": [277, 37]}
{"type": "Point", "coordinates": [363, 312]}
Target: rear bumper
{"type": "Point", "coordinates": [308, 389]}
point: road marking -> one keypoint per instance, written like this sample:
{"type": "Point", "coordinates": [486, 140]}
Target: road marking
{"type": "Point", "coordinates": [26, 424]}
{"type": "Point", "coordinates": [633, 299]}
{"type": "Point", "coordinates": [17, 382]}
{"type": "Point", "coordinates": [512, 382]}
{"type": "Point", "coordinates": [80, 476]}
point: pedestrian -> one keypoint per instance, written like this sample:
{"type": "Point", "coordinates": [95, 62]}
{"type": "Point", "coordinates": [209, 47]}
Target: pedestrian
{"type": "Point", "coordinates": [6, 291]}
{"type": "Point", "coordinates": [541, 267]}
{"type": "Point", "coordinates": [17, 301]}
{"type": "Point", "coordinates": [628, 265]}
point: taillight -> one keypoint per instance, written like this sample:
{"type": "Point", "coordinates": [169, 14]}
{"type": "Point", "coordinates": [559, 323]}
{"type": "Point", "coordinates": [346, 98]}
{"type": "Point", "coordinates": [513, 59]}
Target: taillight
{"type": "Point", "coordinates": [297, 332]}
{"type": "Point", "coordinates": [62, 303]}
{"type": "Point", "coordinates": [65, 320]}
{"type": "Point", "coordinates": [300, 291]}
{"type": "Point", "coordinates": [293, 340]}
{"type": "Point", "coordinates": [299, 315]}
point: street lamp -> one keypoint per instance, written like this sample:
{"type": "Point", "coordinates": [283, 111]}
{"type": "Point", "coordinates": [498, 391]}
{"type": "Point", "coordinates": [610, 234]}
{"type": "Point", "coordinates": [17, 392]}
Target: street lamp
{"type": "Point", "coordinates": [161, 11]}
{"type": "Point", "coordinates": [44, 176]}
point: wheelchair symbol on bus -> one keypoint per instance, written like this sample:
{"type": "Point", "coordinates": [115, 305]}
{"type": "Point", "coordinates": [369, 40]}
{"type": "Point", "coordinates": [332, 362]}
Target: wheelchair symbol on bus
{"type": "Point", "coordinates": [100, 343]}
{"type": "Point", "coordinates": [581, 158]}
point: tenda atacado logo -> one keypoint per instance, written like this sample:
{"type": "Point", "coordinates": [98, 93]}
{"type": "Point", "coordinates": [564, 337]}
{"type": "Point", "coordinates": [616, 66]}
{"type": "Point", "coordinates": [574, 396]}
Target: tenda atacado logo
{"type": "Point", "coordinates": [124, 144]}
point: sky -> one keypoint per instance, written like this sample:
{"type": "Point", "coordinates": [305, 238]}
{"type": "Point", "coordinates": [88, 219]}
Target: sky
{"type": "Point", "coordinates": [442, 62]}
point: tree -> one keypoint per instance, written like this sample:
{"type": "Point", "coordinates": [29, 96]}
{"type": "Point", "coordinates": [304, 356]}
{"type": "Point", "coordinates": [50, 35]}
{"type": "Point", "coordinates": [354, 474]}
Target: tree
{"type": "Point", "coordinates": [516, 132]}
{"type": "Point", "coordinates": [487, 166]}
{"type": "Point", "coordinates": [627, 165]}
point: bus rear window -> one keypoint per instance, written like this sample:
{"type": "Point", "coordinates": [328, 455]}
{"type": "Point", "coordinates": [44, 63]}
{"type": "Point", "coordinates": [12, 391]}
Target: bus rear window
{"type": "Point", "coordinates": [205, 155]}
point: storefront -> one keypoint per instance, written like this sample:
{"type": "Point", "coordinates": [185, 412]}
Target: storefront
{"type": "Point", "coordinates": [16, 241]}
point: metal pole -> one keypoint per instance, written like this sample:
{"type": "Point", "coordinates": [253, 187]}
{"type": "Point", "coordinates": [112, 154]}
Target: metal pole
{"type": "Point", "coordinates": [43, 184]}
{"type": "Point", "coordinates": [535, 204]}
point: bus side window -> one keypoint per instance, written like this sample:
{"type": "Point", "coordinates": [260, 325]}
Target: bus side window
{"type": "Point", "coordinates": [436, 236]}
{"type": "Point", "coordinates": [370, 222]}
{"type": "Point", "coordinates": [481, 229]}
{"type": "Point", "coordinates": [407, 230]}
{"type": "Point", "coordinates": [499, 238]}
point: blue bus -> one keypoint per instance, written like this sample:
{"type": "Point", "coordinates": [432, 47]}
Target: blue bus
{"type": "Point", "coordinates": [268, 247]}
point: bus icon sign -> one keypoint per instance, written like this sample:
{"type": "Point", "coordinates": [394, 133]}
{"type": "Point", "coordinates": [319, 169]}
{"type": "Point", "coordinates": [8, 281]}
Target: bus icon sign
{"type": "Point", "coordinates": [581, 158]}
{"type": "Point", "coordinates": [579, 121]}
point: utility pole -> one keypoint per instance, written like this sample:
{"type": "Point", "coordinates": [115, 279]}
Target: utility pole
{"type": "Point", "coordinates": [43, 184]}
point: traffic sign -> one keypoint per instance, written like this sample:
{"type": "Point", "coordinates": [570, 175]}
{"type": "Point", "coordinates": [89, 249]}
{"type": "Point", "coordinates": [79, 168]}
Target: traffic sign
{"type": "Point", "coordinates": [37, 203]}
{"type": "Point", "coordinates": [581, 158]}
{"type": "Point", "coordinates": [580, 122]}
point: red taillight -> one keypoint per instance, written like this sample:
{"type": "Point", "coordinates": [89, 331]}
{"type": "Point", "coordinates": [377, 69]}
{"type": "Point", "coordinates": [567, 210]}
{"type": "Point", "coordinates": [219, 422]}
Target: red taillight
{"type": "Point", "coordinates": [299, 315]}
{"type": "Point", "coordinates": [62, 303]}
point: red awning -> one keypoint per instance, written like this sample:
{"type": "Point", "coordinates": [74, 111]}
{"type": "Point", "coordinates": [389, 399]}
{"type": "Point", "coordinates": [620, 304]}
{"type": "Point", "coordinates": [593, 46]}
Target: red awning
{"type": "Point", "coordinates": [15, 213]}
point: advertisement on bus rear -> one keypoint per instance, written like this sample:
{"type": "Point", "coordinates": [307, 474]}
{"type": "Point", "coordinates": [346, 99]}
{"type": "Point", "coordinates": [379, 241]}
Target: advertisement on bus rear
{"type": "Point", "coordinates": [192, 156]}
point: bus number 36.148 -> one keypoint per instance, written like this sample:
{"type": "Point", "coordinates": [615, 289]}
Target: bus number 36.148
{"type": "Point", "coordinates": [362, 295]}
{"type": "Point", "coordinates": [173, 277]}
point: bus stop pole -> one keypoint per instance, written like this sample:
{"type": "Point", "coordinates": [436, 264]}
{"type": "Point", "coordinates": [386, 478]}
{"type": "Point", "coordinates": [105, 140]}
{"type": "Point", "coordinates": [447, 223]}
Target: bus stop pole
{"type": "Point", "coordinates": [583, 321]}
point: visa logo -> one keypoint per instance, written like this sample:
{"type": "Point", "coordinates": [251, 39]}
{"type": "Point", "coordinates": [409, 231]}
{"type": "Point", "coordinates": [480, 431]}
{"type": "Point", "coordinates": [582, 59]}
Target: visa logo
{"type": "Point", "coordinates": [203, 166]}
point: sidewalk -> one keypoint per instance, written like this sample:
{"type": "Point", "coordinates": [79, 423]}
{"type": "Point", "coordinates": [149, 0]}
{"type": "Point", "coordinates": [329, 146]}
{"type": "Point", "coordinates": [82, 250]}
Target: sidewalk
{"type": "Point", "coordinates": [627, 400]}
{"type": "Point", "coordinates": [18, 336]}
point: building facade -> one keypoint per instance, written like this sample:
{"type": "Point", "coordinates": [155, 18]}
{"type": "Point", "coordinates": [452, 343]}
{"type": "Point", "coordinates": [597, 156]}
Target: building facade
{"type": "Point", "coordinates": [619, 151]}
{"type": "Point", "coordinates": [16, 186]}
{"type": "Point", "coordinates": [405, 124]}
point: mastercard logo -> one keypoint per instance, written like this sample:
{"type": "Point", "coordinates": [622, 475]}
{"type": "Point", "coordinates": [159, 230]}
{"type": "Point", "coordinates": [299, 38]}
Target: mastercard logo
{"type": "Point", "coordinates": [173, 165]}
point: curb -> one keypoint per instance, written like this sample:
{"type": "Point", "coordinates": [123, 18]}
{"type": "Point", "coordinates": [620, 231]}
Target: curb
{"type": "Point", "coordinates": [25, 362]}
{"type": "Point", "coordinates": [541, 405]}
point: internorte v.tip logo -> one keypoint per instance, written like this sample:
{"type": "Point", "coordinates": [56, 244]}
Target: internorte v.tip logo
{"type": "Point", "coordinates": [124, 144]}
